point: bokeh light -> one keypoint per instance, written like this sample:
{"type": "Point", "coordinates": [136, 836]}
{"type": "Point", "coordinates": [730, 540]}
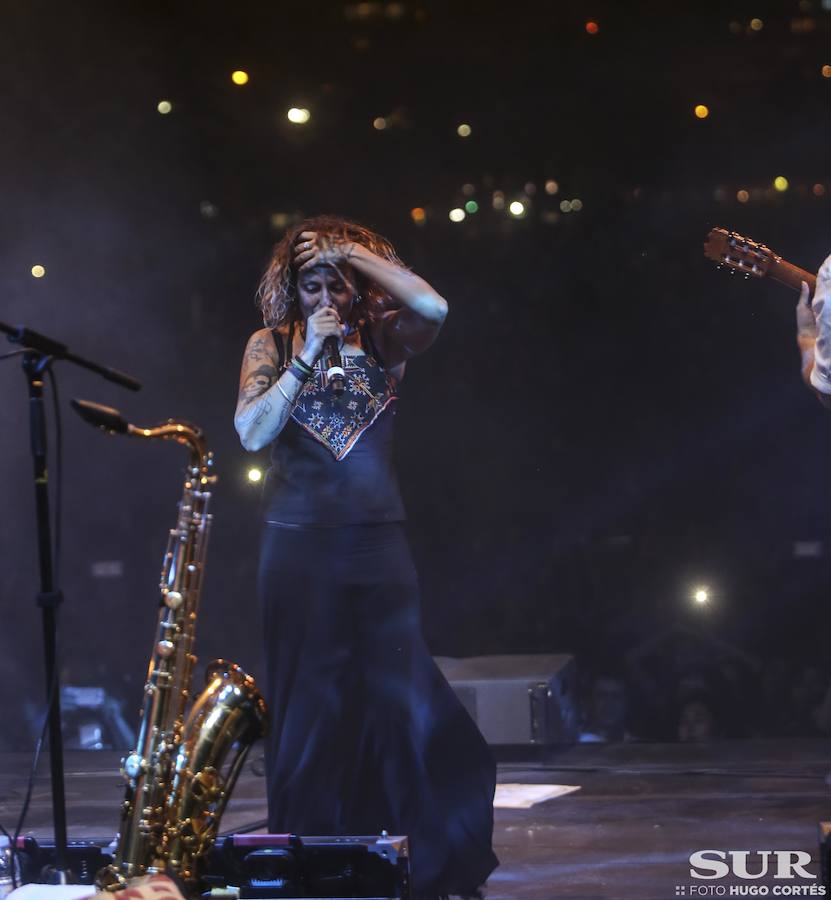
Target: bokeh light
{"type": "Point", "coordinates": [576, 204]}
{"type": "Point", "coordinates": [517, 209]}
{"type": "Point", "coordinates": [471, 207]}
{"type": "Point", "coordinates": [255, 474]}
{"type": "Point", "coordinates": [592, 27]}
{"type": "Point", "coordinates": [464, 130]}
{"type": "Point", "coordinates": [379, 123]}
{"type": "Point", "coordinates": [826, 71]}
{"type": "Point", "coordinates": [742, 196]}
{"type": "Point", "coordinates": [498, 200]}
{"type": "Point", "coordinates": [818, 190]}
{"type": "Point", "coordinates": [38, 271]}
{"type": "Point", "coordinates": [468, 189]}
{"type": "Point", "coordinates": [701, 111]}
{"type": "Point", "coordinates": [457, 214]}
{"type": "Point", "coordinates": [780, 183]}
{"type": "Point", "coordinates": [565, 206]}
{"type": "Point", "coordinates": [164, 107]}
{"type": "Point", "coordinates": [551, 186]}
{"type": "Point", "coordinates": [239, 77]}
{"type": "Point", "coordinates": [756, 24]}
{"type": "Point", "coordinates": [418, 215]}
{"type": "Point", "coordinates": [298, 115]}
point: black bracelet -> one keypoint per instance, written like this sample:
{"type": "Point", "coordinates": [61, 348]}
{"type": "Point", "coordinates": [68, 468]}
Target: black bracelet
{"type": "Point", "coordinates": [304, 366]}
{"type": "Point", "coordinates": [300, 374]}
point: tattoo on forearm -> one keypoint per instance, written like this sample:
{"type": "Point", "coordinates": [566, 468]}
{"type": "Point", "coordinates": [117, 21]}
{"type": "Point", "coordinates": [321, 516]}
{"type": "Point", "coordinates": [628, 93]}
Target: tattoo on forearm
{"type": "Point", "coordinates": [256, 412]}
{"type": "Point", "coordinates": [257, 382]}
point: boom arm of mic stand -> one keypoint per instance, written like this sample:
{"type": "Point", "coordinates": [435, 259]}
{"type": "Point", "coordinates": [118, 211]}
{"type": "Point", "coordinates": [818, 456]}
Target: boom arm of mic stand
{"type": "Point", "coordinates": [41, 343]}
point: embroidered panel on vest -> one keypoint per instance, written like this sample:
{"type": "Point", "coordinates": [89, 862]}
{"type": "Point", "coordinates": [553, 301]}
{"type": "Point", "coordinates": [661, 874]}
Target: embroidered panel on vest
{"type": "Point", "coordinates": [336, 422]}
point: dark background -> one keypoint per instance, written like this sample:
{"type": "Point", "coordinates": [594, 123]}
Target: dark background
{"type": "Point", "coordinates": [605, 421]}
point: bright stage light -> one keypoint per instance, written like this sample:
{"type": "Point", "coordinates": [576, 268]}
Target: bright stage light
{"type": "Point", "coordinates": [164, 107]}
{"type": "Point", "coordinates": [517, 209]}
{"type": "Point", "coordinates": [457, 214]}
{"type": "Point", "coordinates": [464, 130]}
{"type": "Point", "coordinates": [780, 183]}
{"type": "Point", "coordinates": [701, 111]}
{"type": "Point", "coordinates": [701, 595]}
{"type": "Point", "coordinates": [239, 77]}
{"type": "Point", "coordinates": [255, 474]}
{"type": "Point", "coordinates": [38, 271]}
{"type": "Point", "coordinates": [298, 116]}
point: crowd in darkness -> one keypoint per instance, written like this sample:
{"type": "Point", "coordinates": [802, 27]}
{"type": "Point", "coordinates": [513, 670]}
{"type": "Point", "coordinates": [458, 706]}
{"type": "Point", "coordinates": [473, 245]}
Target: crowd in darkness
{"type": "Point", "coordinates": [684, 687]}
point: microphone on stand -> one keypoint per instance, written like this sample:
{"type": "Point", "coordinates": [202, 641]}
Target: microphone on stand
{"type": "Point", "coordinates": [333, 366]}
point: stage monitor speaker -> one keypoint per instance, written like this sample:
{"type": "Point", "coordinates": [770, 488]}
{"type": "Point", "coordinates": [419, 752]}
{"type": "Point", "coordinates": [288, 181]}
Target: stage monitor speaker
{"type": "Point", "coordinates": [518, 700]}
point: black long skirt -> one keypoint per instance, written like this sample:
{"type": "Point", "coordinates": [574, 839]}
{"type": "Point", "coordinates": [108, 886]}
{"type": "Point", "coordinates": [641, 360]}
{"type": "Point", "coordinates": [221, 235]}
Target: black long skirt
{"type": "Point", "coordinates": [366, 735]}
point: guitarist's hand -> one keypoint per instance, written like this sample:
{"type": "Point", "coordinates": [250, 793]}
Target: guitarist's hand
{"type": "Point", "coordinates": [806, 321]}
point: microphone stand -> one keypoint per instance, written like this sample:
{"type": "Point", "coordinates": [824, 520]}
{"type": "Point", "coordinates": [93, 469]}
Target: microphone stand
{"type": "Point", "coordinates": [39, 354]}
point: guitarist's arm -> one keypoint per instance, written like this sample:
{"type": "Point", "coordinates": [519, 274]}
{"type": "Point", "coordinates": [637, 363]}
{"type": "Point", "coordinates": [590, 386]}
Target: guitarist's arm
{"type": "Point", "coordinates": [813, 335]}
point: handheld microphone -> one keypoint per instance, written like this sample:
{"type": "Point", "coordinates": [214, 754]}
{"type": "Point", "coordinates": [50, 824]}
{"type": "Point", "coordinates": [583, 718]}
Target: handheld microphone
{"type": "Point", "coordinates": [333, 366]}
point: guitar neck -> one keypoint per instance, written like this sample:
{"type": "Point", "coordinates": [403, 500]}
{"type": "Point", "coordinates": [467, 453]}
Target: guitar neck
{"type": "Point", "coordinates": [788, 274]}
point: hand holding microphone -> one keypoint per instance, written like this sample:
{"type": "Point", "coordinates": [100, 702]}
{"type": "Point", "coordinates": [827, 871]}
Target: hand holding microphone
{"type": "Point", "coordinates": [323, 336]}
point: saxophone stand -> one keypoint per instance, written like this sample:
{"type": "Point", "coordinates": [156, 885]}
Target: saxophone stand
{"type": "Point", "coordinates": [39, 352]}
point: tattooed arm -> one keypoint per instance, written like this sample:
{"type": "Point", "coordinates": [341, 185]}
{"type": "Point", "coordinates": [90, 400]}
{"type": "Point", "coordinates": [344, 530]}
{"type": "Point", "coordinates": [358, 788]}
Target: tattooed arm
{"type": "Point", "coordinates": [262, 408]}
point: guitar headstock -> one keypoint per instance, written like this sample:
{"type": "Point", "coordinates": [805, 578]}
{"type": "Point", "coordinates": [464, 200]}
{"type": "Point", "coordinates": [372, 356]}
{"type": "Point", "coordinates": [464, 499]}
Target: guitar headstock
{"type": "Point", "coordinates": [738, 253]}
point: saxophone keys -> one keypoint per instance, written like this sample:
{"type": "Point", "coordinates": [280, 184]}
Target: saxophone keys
{"type": "Point", "coordinates": [173, 599]}
{"type": "Point", "coordinates": [133, 765]}
{"type": "Point", "coordinates": [165, 649]}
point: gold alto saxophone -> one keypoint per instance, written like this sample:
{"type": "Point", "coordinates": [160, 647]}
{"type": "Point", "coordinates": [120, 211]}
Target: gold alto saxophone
{"type": "Point", "coordinates": [180, 776]}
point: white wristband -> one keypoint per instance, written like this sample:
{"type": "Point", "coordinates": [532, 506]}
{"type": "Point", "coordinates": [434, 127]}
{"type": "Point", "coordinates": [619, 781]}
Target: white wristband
{"type": "Point", "coordinates": [288, 399]}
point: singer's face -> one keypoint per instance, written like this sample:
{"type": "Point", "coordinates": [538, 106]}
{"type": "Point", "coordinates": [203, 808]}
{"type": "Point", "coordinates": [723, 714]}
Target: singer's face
{"type": "Point", "coordinates": [325, 286]}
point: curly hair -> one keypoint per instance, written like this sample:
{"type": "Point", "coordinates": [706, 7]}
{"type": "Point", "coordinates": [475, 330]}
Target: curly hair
{"type": "Point", "coordinates": [277, 292]}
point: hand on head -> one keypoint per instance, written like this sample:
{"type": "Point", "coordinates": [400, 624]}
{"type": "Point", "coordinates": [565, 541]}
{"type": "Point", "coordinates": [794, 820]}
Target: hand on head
{"type": "Point", "coordinates": [313, 249]}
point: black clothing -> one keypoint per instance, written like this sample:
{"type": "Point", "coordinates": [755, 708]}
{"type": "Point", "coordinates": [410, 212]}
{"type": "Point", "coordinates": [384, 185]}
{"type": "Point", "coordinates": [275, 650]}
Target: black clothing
{"type": "Point", "coordinates": [366, 734]}
{"type": "Point", "coordinates": [332, 463]}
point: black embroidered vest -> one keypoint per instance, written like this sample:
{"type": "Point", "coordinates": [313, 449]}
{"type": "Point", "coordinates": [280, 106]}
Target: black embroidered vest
{"type": "Point", "coordinates": [332, 462]}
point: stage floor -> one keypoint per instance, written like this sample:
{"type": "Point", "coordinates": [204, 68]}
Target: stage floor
{"type": "Point", "coordinates": [641, 810]}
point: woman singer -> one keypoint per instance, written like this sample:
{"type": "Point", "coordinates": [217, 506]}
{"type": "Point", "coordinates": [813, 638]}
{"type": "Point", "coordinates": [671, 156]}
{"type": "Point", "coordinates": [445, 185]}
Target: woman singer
{"type": "Point", "coordinates": [366, 735]}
